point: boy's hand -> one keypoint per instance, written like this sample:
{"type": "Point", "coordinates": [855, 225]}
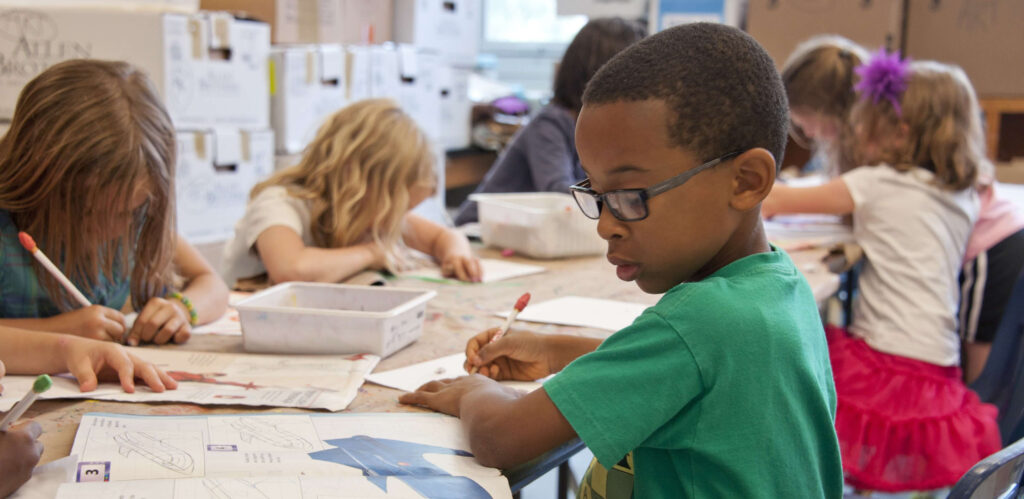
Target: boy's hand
{"type": "Point", "coordinates": [95, 321]}
{"type": "Point", "coordinates": [464, 267]}
{"type": "Point", "coordinates": [444, 395]}
{"type": "Point", "coordinates": [90, 361]}
{"type": "Point", "coordinates": [20, 450]}
{"type": "Point", "coordinates": [160, 321]}
{"type": "Point", "coordinates": [518, 355]}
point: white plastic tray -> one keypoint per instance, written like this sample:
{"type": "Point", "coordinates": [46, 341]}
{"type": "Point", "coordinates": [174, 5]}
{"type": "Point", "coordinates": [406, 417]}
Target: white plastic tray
{"type": "Point", "coordinates": [332, 318]}
{"type": "Point", "coordinates": [537, 224]}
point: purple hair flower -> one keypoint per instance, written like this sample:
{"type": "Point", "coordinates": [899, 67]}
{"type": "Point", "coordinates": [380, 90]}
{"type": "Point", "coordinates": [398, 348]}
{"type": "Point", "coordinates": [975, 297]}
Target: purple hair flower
{"type": "Point", "coordinates": [884, 76]}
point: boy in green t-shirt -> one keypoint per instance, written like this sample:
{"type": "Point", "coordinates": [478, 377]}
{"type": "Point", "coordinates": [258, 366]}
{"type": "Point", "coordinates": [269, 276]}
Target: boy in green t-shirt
{"type": "Point", "coordinates": [722, 389]}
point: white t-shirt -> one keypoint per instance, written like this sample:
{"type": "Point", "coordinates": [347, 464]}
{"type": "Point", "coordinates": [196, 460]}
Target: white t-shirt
{"type": "Point", "coordinates": [914, 235]}
{"type": "Point", "coordinates": [272, 206]}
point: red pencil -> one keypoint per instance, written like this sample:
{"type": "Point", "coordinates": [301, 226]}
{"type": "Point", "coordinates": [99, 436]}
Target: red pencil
{"type": "Point", "coordinates": [519, 306]}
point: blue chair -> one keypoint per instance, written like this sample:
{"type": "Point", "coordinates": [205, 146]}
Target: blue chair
{"type": "Point", "coordinates": [1001, 382]}
{"type": "Point", "coordinates": [995, 477]}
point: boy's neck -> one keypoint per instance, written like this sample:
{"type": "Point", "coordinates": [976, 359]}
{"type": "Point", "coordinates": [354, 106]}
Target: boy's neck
{"type": "Point", "coordinates": [748, 239]}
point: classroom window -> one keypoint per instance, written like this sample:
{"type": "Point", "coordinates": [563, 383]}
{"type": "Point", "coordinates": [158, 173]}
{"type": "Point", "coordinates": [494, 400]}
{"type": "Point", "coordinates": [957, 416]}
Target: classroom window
{"type": "Point", "coordinates": [527, 38]}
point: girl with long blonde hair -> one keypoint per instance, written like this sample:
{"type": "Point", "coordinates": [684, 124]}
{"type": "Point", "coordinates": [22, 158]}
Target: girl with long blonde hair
{"type": "Point", "coordinates": [87, 169]}
{"type": "Point", "coordinates": [897, 367]}
{"type": "Point", "coordinates": [345, 207]}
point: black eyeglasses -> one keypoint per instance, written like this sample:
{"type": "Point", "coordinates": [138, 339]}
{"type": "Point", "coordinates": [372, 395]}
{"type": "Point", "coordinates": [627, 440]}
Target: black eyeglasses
{"type": "Point", "coordinates": [630, 205]}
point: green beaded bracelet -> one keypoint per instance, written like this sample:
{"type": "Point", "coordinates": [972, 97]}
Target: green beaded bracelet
{"type": "Point", "coordinates": [193, 317]}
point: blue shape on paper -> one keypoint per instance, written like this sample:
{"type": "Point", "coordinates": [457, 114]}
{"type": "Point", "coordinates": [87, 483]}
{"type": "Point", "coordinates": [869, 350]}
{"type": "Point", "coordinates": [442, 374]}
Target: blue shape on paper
{"type": "Point", "coordinates": [380, 458]}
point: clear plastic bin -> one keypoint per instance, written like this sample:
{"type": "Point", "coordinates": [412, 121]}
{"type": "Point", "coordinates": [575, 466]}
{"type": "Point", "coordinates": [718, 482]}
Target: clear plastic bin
{"type": "Point", "coordinates": [332, 318]}
{"type": "Point", "coordinates": [537, 224]}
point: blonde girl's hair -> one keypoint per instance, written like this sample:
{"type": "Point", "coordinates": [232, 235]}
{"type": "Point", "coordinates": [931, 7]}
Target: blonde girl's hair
{"type": "Point", "coordinates": [942, 120]}
{"type": "Point", "coordinates": [819, 77]}
{"type": "Point", "coordinates": [356, 175]}
{"type": "Point", "coordinates": [87, 137]}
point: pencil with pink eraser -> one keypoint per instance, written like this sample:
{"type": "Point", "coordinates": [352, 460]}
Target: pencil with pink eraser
{"type": "Point", "coordinates": [30, 245]}
{"type": "Point", "coordinates": [520, 305]}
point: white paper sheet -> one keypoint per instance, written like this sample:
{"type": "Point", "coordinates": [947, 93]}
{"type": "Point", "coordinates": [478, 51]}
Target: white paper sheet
{"type": "Point", "coordinates": [796, 232]}
{"type": "Point", "coordinates": [494, 270]}
{"type": "Point", "coordinates": [581, 311]}
{"type": "Point", "coordinates": [269, 455]}
{"type": "Point", "coordinates": [410, 378]}
{"type": "Point", "coordinates": [205, 378]}
{"type": "Point", "coordinates": [46, 479]}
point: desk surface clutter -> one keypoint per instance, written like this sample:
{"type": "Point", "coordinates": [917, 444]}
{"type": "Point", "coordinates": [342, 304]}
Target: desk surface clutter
{"type": "Point", "coordinates": [457, 312]}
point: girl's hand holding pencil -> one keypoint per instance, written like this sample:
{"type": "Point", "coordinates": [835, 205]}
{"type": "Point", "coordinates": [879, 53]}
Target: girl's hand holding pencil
{"type": "Point", "coordinates": [91, 321]}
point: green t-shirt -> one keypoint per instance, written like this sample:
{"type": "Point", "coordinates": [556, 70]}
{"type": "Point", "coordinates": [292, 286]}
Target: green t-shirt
{"type": "Point", "coordinates": [722, 389]}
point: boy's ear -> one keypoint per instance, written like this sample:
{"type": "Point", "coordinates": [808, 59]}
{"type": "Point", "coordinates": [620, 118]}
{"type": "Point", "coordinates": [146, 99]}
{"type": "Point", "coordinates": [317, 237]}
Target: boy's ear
{"type": "Point", "coordinates": [754, 175]}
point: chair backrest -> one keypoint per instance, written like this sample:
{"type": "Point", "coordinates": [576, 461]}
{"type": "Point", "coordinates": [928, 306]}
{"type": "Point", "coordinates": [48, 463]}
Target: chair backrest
{"type": "Point", "coordinates": [995, 477]}
{"type": "Point", "coordinates": [1004, 369]}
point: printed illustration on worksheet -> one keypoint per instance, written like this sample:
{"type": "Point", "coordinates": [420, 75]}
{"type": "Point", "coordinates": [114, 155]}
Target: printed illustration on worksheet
{"type": "Point", "coordinates": [317, 456]}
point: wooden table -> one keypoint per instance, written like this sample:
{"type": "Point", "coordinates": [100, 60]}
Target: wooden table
{"type": "Point", "coordinates": [458, 312]}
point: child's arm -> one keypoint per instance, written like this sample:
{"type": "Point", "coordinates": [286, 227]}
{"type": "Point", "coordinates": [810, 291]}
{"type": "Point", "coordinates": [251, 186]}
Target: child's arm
{"type": "Point", "coordinates": [287, 258]}
{"type": "Point", "coordinates": [450, 247]}
{"type": "Point", "coordinates": [167, 319]}
{"type": "Point", "coordinates": [832, 198]}
{"type": "Point", "coordinates": [96, 322]}
{"type": "Point", "coordinates": [505, 427]}
{"type": "Point", "coordinates": [25, 352]}
{"type": "Point", "coordinates": [20, 450]}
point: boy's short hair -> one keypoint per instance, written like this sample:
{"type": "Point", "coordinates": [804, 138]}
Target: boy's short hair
{"type": "Point", "coordinates": [720, 84]}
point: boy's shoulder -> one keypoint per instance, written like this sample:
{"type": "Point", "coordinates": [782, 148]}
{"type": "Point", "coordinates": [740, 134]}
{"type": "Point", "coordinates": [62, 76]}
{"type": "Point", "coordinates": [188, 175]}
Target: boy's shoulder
{"type": "Point", "coordinates": [763, 288]}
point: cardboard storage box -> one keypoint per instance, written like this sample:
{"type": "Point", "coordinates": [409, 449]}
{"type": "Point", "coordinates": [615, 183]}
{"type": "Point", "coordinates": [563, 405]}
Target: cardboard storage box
{"type": "Point", "coordinates": [781, 25]}
{"type": "Point", "coordinates": [317, 21]}
{"type": "Point", "coordinates": [456, 108]}
{"type": "Point", "coordinates": [308, 85]}
{"type": "Point", "coordinates": [450, 28]}
{"type": "Point", "coordinates": [357, 72]}
{"type": "Point", "coordinates": [210, 68]}
{"type": "Point", "coordinates": [986, 39]}
{"type": "Point", "coordinates": [216, 169]}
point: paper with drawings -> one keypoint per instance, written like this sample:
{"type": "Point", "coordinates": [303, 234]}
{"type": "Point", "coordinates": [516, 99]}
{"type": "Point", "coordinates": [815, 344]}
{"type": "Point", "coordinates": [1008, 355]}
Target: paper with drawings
{"type": "Point", "coordinates": [597, 313]}
{"type": "Point", "coordinates": [270, 455]}
{"type": "Point", "coordinates": [494, 270]}
{"type": "Point", "coordinates": [205, 378]}
{"type": "Point", "coordinates": [410, 378]}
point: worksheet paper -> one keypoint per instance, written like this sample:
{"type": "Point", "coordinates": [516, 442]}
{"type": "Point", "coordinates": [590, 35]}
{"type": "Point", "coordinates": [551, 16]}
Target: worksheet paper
{"type": "Point", "coordinates": [312, 456]}
{"type": "Point", "coordinates": [797, 232]}
{"type": "Point", "coordinates": [410, 378]}
{"type": "Point", "coordinates": [597, 313]}
{"type": "Point", "coordinates": [494, 270]}
{"type": "Point", "coordinates": [205, 378]}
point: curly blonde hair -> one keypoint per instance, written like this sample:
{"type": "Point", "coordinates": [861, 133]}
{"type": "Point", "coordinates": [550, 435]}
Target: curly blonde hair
{"type": "Point", "coordinates": [88, 136]}
{"type": "Point", "coordinates": [942, 118]}
{"type": "Point", "coordinates": [356, 174]}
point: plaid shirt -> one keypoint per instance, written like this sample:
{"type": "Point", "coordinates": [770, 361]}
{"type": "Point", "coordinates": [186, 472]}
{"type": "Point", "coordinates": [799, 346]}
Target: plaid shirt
{"type": "Point", "coordinates": [21, 294]}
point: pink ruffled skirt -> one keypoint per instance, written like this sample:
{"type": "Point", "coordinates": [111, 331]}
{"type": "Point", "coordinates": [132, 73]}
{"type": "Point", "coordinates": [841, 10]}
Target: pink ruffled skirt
{"type": "Point", "coordinates": [904, 424]}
